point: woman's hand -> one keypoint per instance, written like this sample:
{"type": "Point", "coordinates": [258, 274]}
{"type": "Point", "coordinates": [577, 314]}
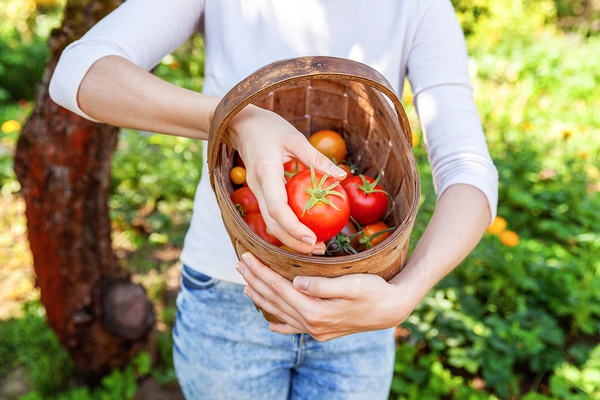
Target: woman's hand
{"type": "Point", "coordinates": [266, 141]}
{"type": "Point", "coordinates": [327, 308]}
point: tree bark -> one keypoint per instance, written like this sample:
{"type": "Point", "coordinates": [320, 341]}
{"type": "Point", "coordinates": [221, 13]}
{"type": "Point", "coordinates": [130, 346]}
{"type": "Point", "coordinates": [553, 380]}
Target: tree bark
{"type": "Point", "coordinates": [63, 163]}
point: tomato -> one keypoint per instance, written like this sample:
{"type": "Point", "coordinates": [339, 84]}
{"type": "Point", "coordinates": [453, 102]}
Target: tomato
{"type": "Point", "coordinates": [345, 242]}
{"type": "Point", "coordinates": [368, 200]}
{"type": "Point", "coordinates": [293, 167]}
{"type": "Point", "coordinates": [237, 161]}
{"type": "Point", "coordinates": [319, 202]}
{"type": "Point", "coordinates": [238, 175]}
{"type": "Point", "coordinates": [374, 233]}
{"type": "Point", "coordinates": [256, 222]}
{"type": "Point", "coordinates": [329, 143]}
{"type": "Point", "coordinates": [244, 200]}
{"type": "Point", "coordinates": [349, 173]}
{"type": "Point", "coordinates": [284, 247]}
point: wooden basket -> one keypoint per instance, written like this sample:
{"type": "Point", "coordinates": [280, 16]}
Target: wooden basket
{"type": "Point", "coordinates": [315, 93]}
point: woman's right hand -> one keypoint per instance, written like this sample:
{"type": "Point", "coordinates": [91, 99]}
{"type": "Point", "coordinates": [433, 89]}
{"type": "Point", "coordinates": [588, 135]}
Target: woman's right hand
{"type": "Point", "coordinates": [265, 142]}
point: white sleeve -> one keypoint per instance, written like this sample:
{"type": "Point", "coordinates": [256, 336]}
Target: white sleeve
{"type": "Point", "coordinates": [142, 31]}
{"type": "Point", "coordinates": [443, 96]}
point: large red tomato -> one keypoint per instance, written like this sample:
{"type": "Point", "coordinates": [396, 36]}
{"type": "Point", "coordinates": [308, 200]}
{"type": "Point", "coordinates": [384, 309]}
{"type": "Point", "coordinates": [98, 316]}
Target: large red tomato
{"type": "Point", "coordinates": [256, 222]}
{"type": "Point", "coordinates": [368, 200]}
{"type": "Point", "coordinates": [319, 202]}
{"type": "Point", "coordinates": [374, 233]}
{"type": "Point", "coordinates": [244, 200]}
{"type": "Point", "coordinates": [293, 167]}
{"type": "Point", "coordinates": [330, 143]}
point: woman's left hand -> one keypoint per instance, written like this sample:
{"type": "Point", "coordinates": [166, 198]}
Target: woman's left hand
{"type": "Point", "coordinates": [325, 308]}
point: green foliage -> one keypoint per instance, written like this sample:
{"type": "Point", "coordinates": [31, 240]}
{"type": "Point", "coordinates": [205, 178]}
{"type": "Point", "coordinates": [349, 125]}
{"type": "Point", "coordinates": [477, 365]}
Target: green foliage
{"type": "Point", "coordinates": [521, 321]}
{"type": "Point", "coordinates": [153, 183]}
{"type": "Point", "coordinates": [119, 384]}
{"type": "Point", "coordinates": [509, 322]}
{"type": "Point", "coordinates": [23, 50]}
{"type": "Point", "coordinates": [30, 342]}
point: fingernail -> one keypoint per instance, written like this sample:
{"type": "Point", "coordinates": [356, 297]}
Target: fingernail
{"type": "Point", "coordinates": [317, 252]}
{"type": "Point", "coordinates": [308, 240]}
{"type": "Point", "coordinates": [301, 283]}
{"type": "Point", "coordinates": [247, 292]}
{"type": "Point", "coordinates": [337, 171]}
{"type": "Point", "coordinates": [246, 258]}
{"type": "Point", "coordinates": [239, 268]}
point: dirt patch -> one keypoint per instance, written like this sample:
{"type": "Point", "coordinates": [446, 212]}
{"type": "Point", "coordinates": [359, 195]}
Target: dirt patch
{"type": "Point", "coordinates": [151, 390]}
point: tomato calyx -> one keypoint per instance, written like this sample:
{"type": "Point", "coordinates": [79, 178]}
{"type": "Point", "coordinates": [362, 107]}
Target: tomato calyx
{"type": "Point", "coordinates": [289, 175]}
{"type": "Point", "coordinates": [351, 168]}
{"type": "Point", "coordinates": [318, 194]}
{"type": "Point", "coordinates": [343, 243]}
{"type": "Point", "coordinates": [365, 241]}
{"type": "Point", "coordinates": [240, 210]}
{"type": "Point", "coordinates": [370, 187]}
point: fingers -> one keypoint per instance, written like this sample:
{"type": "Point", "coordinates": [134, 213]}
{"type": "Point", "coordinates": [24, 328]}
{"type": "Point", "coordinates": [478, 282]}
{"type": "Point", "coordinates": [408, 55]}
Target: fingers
{"type": "Point", "coordinates": [269, 290]}
{"type": "Point", "coordinates": [308, 155]}
{"type": "Point", "coordinates": [285, 329]}
{"type": "Point", "coordinates": [265, 305]}
{"type": "Point", "coordinates": [347, 287]}
{"type": "Point", "coordinates": [269, 189]}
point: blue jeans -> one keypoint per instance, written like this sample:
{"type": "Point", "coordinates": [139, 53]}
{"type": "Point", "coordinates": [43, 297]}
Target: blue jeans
{"type": "Point", "coordinates": [223, 349]}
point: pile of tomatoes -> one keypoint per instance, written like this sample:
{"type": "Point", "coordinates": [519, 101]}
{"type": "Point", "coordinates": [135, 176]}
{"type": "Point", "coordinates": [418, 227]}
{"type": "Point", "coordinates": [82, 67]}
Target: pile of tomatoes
{"type": "Point", "coordinates": [346, 215]}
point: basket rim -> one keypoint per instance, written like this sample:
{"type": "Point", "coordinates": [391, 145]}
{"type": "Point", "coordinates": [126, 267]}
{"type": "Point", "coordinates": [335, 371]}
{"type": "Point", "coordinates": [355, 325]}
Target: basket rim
{"type": "Point", "coordinates": [406, 225]}
{"type": "Point", "coordinates": [277, 75]}
{"type": "Point", "coordinates": [285, 72]}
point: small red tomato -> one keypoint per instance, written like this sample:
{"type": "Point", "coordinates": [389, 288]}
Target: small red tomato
{"type": "Point", "coordinates": [368, 200]}
{"type": "Point", "coordinates": [345, 242]}
{"type": "Point", "coordinates": [319, 202]}
{"type": "Point", "coordinates": [349, 173]}
{"type": "Point", "coordinates": [256, 222]}
{"type": "Point", "coordinates": [237, 161]}
{"type": "Point", "coordinates": [374, 233]}
{"type": "Point", "coordinates": [330, 143]}
{"type": "Point", "coordinates": [244, 200]}
{"type": "Point", "coordinates": [293, 167]}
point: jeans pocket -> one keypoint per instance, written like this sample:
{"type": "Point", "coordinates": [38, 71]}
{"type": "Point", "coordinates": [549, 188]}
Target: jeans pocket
{"type": "Point", "coordinates": [194, 280]}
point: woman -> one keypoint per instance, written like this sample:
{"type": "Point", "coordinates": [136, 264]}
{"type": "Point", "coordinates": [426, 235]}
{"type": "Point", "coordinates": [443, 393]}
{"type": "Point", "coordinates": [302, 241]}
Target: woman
{"type": "Point", "coordinates": [337, 340]}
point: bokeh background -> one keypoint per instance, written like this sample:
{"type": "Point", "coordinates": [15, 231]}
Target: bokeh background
{"type": "Point", "coordinates": [518, 319]}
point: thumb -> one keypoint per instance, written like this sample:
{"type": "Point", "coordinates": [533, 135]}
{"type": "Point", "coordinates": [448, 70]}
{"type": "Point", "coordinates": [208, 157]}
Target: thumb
{"type": "Point", "coordinates": [311, 156]}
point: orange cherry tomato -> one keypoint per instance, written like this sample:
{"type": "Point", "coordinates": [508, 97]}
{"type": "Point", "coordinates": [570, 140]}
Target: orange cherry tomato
{"type": "Point", "coordinates": [330, 143]}
{"type": "Point", "coordinates": [372, 236]}
{"type": "Point", "coordinates": [348, 170]}
{"type": "Point", "coordinates": [238, 175]}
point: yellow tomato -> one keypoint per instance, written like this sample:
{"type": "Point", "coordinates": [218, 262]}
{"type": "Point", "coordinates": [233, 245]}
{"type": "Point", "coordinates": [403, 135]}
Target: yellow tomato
{"type": "Point", "coordinates": [330, 143]}
{"type": "Point", "coordinates": [238, 175]}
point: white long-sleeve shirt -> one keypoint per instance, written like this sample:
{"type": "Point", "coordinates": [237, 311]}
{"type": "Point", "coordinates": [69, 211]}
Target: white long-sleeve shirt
{"type": "Point", "coordinates": [418, 39]}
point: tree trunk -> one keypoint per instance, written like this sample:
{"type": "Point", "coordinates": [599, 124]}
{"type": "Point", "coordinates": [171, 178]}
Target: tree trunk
{"type": "Point", "coordinates": [63, 164]}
